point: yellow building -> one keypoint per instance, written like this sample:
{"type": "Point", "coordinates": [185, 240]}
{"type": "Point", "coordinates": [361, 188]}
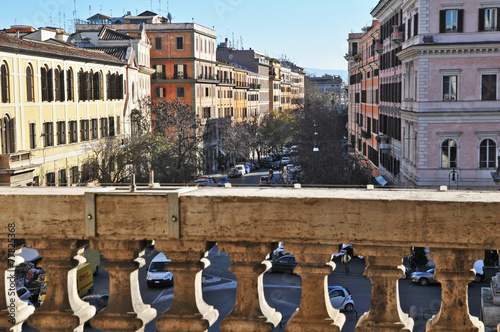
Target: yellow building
{"type": "Point", "coordinates": [241, 94]}
{"type": "Point", "coordinates": [225, 101]}
{"type": "Point", "coordinates": [57, 102]}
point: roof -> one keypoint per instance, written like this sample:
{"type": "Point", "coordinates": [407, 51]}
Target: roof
{"type": "Point", "coordinates": [115, 51]}
{"type": "Point", "coordinates": [111, 34]}
{"type": "Point", "coordinates": [52, 49]}
{"type": "Point", "coordinates": [148, 13]}
{"type": "Point", "coordinates": [20, 28]}
{"type": "Point", "coordinates": [99, 16]}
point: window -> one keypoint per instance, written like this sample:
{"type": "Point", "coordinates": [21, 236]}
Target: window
{"type": "Point", "coordinates": [488, 19]}
{"type": "Point", "coordinates": [415, 24]}
{"type": "Point", "coordinates": [97, 86]}
{"type": "Point", "coordinates": [160, 72]}
{"type": "Point", "coordinates": [84, 130]}
{"type": "Point", "coordinates": [51, 179]}
{"type": "Point", "coordinates": [32, 135]}
{"type": "Point", "coordinates": [8, 135]}
{"type": "Point", "coordinates": [61, 132]}
{"type": "Point", "coordinates": [118, 129]}
{"type": "Point", "coordinates": [29, 84]}
{"type": "Point", "coordinates": [180, 71]}
{"type": "Point", "coordinates": [160, 91]}
{"type": "Point", "coordinates": [63, 181]}
{"type": "Point", "coordinates": [49, 133]}
{"type": "Point", "coordinates": [487, 154]}
{"type": "Point", "coordinates": [489, 87]}
{"type": "Point", "coordinates": [179, 43]}
{"type": "Point", "coordinates": [75, 175]}
{"type": "Point", "coordinates": [180, 92]}
{"type": "Point", "coordinates": [69, 84]}
{"type": "Point", "coordinates": [104, 127]}
{"type": "Point", "coordinates": [158, 43]}
{"type": "Point", "coordinates": [59, 84]}
{"type": "Point", "coordinates": [73, 131]}
{"type": "Point", "coordinates": [4, 82]}
{"type": "Point", "coordinates": [81, 86]}
{"type": "Point", "coordinates": [450, 88]}
{"type": "Point", "coordinates": [111, 126]}
{"type": "Point", "coordinates": [451, 20]}
{"type": "Point", "coordinates": [94, 129]}
{"type": "Point", "coordinates": [449, 154]}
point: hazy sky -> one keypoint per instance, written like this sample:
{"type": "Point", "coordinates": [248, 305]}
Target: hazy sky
{"type": "Point", "coordinates": [311, 33]}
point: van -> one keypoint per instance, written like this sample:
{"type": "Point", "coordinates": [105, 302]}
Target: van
{"type": "Point", "coordinates": [158, 275]}
{"type": "Point", "coordinates": [93, 257]}
{"type": "Point", "coordinates": [85, 279]}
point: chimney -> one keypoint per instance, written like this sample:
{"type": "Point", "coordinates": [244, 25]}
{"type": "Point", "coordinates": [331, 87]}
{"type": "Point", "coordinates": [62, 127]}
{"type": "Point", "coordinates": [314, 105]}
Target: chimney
{"type": "Point", "coordinates": [129, 13]}
{"type": "Point", "coordinates": [18, 34]}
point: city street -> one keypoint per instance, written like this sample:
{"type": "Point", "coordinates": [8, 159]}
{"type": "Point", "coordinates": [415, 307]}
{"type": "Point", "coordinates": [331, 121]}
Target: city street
{"type": "Point", "coordinates": [283, 292]}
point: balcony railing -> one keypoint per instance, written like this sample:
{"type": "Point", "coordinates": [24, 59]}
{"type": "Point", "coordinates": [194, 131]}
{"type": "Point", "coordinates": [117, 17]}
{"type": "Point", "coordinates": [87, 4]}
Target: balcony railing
{"type": "Point", "coordinates": [15, 160]}
{"type": "Point", "coordinates": [397, 36]}
{"type": "Point", "coordinates": [383, 226]}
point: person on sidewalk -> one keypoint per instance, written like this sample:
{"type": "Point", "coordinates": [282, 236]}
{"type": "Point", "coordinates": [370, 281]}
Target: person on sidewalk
{"type": "Point", "coordinates": [345, 259]}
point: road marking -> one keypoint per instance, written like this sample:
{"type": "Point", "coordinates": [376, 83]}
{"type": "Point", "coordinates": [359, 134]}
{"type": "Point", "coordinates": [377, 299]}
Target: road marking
{"type": "Point", "coordinates": [164, 297]}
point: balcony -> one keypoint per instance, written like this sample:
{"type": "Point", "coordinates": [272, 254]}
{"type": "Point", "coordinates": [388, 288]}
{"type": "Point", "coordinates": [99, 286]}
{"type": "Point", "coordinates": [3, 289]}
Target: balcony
{"type": "Point", "coordinates": [383, 226]}
{"type": "Point", "coordinates": [397, 36]}
{"type": "Point", "coordinates": [378, 47]}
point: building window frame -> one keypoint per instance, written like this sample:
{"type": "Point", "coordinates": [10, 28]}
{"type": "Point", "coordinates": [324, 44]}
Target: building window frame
{"type": "Point", "coordinates": [449, 153]}
{"type": "Point", "coordinates": [450, 83]}
{"type": "Point", "coordinates": [158, 43]}
{"type": "Point", "coordinates": [487, 158]}
{"type": "Point", "coordinates": [48, 133]}
{"type": "Point", "coordinates": [30, 86]}
{"type": "Point", "coordinates": [73, 131]}
{"type": "Point", "coordinates": [179, 43]}
{"type": "Point", "coordinates": [61, 132]}
{"type": "Point", "coordinates": [180, 92]}
{"type": "Point", "coordinates": [488, 84]}
{"type": "Point", "coordinates": [32, 129]}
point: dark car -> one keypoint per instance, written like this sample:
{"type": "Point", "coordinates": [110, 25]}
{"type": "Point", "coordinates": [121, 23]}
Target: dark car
{"type": "Point", "coordinates": [204, 182]}
{"type": "Point", "coordinates": [234, 173]}
{"type": "Point", "coordinates": [277, 164]}
{"type": "Point", "coordinates": [99, 301]}
{"type": "Point", "coordinates": [222, 181]}
{"type": "Point", "coordinates": [265, 180]}
{"type": "Point", "coordinates": [284, 264]}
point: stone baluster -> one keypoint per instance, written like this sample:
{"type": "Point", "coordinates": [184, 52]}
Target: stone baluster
{"type": "Point", "coordinates": [120, 262]}
{"type": "Point", "coordinates": [247, 314]}
{"type": "Point", "coordinates": [314, 314]}
{"type": "Point", "coordinates": [453, 271]}
{"type": "Point", "coordinates": [188, 311]}
{"type": "Point", "coordinates": [57, 259]}
{"type": "Point", "coordinates": [383, 267]}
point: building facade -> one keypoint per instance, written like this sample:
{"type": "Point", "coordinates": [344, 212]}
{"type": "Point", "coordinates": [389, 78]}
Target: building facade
{"type": "Point", "coordinates": [57, 102]}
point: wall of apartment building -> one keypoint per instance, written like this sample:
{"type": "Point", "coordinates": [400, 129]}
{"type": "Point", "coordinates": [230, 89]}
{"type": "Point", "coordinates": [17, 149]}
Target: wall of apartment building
{"type": "Point", "coordinates": [52, 131]}
{"type": "Point", "coordinates": [432, 118]}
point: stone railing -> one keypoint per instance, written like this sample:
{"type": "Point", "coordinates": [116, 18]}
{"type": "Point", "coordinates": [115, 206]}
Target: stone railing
{"type": "Point", "coordinates": [246, 224]}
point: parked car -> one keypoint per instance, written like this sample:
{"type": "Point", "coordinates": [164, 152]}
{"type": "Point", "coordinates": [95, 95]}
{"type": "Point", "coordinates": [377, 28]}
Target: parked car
{"type": "Point", "coordinates": [24, 294]}
{"type": "Point", "coordinates": [265, 180]}
{"type": "Point", "coordinates": [276, 164]}
{"type": "Point", "coordinates": [234, 173]}
{"type": "Point", "coordinates": [222, 181]}
{"type": "Point", "coordinates": [241, 169]}
{"type": "Point", "coordinates": [248, 168]}
{"type": "Point", "coordinates": [424, 278]}
{"type": "Point", "coordinates": [283, 264]}
{"type": "Point", "coordinates": [99, 301]}
{"type": "Point", "coordinates": [285, 161]}
{"type": "Point", "coordinates": [204, 182]}
{"type": "Point", "coordinates": [341, 298]}
{"type": "Point", "coordinates": [158, 275]}
{"type": "Point", "coordinates": [479, 270]}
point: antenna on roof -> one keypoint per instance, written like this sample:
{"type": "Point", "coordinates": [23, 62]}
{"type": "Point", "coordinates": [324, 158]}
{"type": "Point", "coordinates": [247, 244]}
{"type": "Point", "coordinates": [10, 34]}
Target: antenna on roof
{"type": "Point", "coordinates": [74, 13]}
{"type": "Point", "coordinates": [90, 10]}
{"type": "Point", "coordinates": [159, 7]}
{"type": "Point", "coordinates": [100, 9]}
{"type": "Point", "coordinates": [233, 40]}
{"type": "Point", "coordinates": [60, 24]}
{"type": "Point", "coordinates": [241, 42]}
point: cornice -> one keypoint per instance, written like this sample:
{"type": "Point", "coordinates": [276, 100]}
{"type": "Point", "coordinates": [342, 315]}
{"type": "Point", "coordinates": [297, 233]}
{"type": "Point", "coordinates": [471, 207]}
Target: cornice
{"type": "Point", "coordinates": [448, 50]}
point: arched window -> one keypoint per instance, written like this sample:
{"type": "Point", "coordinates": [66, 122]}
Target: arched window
{"type": "Point", "coordinates": [81, 85]}
{"type": "Point", "coordinates": [59, 84]}
{"type": "Point", "coordinates": [487, 153]}
{"type": "Point", "coordinates": [29, 84]}
{"type": "Point", "coordinates": [8, 141]}
{"type": "Point", "coordinates": [90, 85]}
{"type": "Point", "coordinates": [46, 77]}
{"type": "Point", "coordinates": [449, 154]}
{"type": "Point", "coordinates": [69, 84]}
{"type": "Point", "coordinates": [4, 82]}
{"type": "Point", "coordinates": [108, 86]}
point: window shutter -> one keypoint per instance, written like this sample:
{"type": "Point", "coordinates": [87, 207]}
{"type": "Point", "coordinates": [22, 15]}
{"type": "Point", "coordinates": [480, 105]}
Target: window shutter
{"type": "Point", "coordinates": [442, 21]}
{"type": "Point", "coordinates": [175, 72]}
{"type": "Point", "coordinates": [61, 88]}
{"type": "Point", "coordinates": [185, 71]}
{"type": "Point", "coordinates": [12, 134]}
{"type": "Point", "coordinates": [415, 25]}
{"type": "Point", "coordinates": [460, 20]}
{"type": "Point", "coordinates": [481, 20]}
{"type": "Point", "coordinates": [50, 85]}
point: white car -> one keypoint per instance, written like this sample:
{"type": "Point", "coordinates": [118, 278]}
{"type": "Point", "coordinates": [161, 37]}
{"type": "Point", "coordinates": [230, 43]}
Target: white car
{"type": "Point", "coordinates": [158, 275]}
{"type": "Point", "coordinates": [241, 169]}
{"type": "Point", "coordinates": [340, 298]}
{"type": "Point", "coordinates": [285, 161]}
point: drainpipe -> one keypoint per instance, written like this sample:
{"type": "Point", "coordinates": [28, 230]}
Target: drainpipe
{"type": "Point", "coordinates": [126, 101]}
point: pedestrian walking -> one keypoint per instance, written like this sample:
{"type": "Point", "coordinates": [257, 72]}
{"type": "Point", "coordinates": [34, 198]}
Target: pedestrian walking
{"type": "Point", "coordinates": [345, 259]}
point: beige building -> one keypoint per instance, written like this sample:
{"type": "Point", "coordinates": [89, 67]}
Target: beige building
{"type": "Point", "coordinates": [56, 103]}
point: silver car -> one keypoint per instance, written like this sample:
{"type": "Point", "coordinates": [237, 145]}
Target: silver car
{"type": "Point", "coordinates": [341, 298]}
{"type": "Point", "coordinates": [424, 278]}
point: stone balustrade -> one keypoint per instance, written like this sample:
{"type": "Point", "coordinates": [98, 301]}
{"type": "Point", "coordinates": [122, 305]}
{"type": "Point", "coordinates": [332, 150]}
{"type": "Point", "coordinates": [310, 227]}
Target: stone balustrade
{"type": "Point", "coordinates": [383, 225]}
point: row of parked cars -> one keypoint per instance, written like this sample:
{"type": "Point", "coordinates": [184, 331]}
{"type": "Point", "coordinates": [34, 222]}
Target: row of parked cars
{"type": "Point", "coordinates": [211, 181]}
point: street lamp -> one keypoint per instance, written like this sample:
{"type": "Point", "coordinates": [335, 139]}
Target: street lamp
{"type": "Point", "coordinates": [315, 149]}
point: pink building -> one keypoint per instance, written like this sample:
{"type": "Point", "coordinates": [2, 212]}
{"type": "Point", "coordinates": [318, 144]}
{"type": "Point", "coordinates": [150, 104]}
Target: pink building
{"type": "Point", "coordinates": [450, 110]}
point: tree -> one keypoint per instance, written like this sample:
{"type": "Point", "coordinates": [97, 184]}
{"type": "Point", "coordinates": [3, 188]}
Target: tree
{"type": "Point", "coordinates": [165, 139]}
{"type": "Point", "coordinates": [277, 130]}
{"type": "Point", "coordinates": [324, 128]}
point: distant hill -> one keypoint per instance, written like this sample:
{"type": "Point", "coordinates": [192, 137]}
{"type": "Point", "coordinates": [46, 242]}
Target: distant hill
{"type": "Point", "coordinates": [320, 72]}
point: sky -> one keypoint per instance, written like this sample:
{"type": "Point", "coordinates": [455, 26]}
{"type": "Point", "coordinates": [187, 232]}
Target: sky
{"type": "Point", "coordinates": [310, 33]}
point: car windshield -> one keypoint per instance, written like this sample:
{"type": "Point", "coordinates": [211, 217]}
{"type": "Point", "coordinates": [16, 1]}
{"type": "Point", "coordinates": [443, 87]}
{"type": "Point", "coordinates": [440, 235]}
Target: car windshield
{"type": "Point", "coordinates": [158, 267]}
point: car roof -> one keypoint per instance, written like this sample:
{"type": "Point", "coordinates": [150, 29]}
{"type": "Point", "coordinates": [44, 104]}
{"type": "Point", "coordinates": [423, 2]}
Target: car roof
{"type": "Point", "coordinates": [160, 258]}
